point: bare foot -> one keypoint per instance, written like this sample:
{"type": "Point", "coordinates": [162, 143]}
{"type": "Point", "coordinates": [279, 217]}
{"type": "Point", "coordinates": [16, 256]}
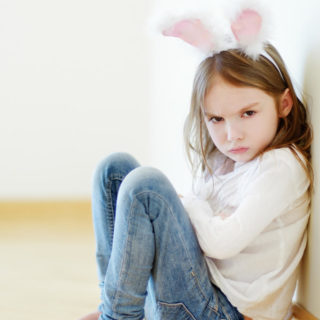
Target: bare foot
{"type": "Point", "coordinates": [91, 316]}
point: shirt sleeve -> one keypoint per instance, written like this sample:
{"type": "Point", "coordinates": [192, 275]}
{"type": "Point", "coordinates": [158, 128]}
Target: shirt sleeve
{"type": "Point", "coordinates": [276, 186]}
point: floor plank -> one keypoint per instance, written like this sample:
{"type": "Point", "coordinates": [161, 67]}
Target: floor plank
{"type": "Point", "coordinates": [47, 265]}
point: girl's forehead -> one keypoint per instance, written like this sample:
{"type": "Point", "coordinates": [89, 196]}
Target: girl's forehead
{"type": "Point", "coordinates": [223, 97]}
{"type": "Point", "coordinates": [223, 93]}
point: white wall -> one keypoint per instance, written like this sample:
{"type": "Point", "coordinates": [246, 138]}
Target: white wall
{"type": "Point", "coordinates": [309, 288]}
{"type": "Point", "coordinates": [73, 88]}
{"type": "Point", "coordinates": [172, 77]}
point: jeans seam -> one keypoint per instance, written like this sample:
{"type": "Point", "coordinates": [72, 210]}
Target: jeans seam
{"type": "Point", "coordinates": [178, 305]}
{"type": "Point", "coordinates": [225, 314]}
{"type": "Point", "coordinates": [108, 181]}
{"type": "Point", "coordinates": [108, 194]}
{"type": "Point", "coordinates": [215, 308]}
{"type": "Point", "coordinates": [115, 298]}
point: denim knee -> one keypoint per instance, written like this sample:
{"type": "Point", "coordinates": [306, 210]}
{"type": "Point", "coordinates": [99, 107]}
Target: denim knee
{"type": "Point", "coordinates": [147, 179]}
{"type": "Point", "coordinates": [116, 164]}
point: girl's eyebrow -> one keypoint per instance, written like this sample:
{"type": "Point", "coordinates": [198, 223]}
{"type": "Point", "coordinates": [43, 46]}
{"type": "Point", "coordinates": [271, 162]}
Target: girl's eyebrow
{"type": "Point", "coordinates": [243, 109]}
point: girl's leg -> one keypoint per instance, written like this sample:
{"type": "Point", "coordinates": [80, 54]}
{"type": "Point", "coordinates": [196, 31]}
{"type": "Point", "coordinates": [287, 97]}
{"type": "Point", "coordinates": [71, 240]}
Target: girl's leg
{"type": "Point", "coordinates": [154, 242]}
{"type": "Point", "coordinates": [106, 182]}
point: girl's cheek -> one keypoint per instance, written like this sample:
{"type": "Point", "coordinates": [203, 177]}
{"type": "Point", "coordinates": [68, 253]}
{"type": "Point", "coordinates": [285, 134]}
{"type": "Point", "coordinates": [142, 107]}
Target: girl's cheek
{"type": "Point", "coordinates": [216, 134]}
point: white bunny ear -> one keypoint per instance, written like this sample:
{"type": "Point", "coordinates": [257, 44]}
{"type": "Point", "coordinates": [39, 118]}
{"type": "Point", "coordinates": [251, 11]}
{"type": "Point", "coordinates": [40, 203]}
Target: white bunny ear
{"type": "Point", "coordinates": [247, 26]}
{"type": "Point", "coordinates": [211, 30]}
{"type": "Point", "coordinates": [246, 29]}
{"type": "Point", "coordinates": [251, 26]}
{"type": "Point", "coordinates": [192, 31]}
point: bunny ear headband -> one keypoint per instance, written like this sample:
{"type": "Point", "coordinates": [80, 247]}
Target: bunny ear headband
{"type": "Point", "coordinates": [211, 31]}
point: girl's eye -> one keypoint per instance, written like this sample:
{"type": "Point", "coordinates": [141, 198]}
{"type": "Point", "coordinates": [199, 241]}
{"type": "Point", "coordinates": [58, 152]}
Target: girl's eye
{"type": "Point", "coordinates": [216, 119]}
{"type": "Point", "coordinates": [249, 113]}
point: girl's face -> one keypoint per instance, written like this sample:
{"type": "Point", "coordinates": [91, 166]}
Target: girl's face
{"type": "Point", "coordinates": [242, 121]}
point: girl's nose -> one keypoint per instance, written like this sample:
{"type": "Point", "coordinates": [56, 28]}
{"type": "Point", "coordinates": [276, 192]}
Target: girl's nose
{"type": "Point", "coordinates": [234, 132]}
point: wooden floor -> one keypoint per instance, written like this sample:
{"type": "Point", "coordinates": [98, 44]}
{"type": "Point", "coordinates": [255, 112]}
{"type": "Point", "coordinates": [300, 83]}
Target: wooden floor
{"type": "Point", "coordinates": [47, 268]}
{"type": "Point", "coordinates": [47, 262]}
{"type": "Point", "coordinates": [299, 313]}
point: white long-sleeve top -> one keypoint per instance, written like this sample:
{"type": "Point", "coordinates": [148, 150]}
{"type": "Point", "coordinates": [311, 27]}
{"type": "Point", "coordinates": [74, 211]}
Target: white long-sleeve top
{"type": "Point", "coordinates": [251, 225]}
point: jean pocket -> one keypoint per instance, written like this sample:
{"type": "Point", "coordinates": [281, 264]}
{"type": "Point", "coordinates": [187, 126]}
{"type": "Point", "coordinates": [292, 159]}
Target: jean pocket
{"type": "Point", "coordinates": [174, 311]}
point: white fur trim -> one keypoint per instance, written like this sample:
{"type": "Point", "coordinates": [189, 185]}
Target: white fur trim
{"type": "Point", "coordinates": [217, 17]}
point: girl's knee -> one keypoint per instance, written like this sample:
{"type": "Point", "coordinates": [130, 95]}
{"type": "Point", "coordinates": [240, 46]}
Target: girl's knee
{"type": "Point", "coordinates": [118, 163]}
{"type": "Point", "coordinates": [147, 179]}
{"type": "Point", "coordinates": [148, 190]}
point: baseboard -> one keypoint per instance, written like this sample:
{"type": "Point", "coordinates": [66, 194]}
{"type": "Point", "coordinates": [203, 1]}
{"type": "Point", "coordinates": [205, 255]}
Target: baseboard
{"type": "Point", "coordinates": [300, 313]}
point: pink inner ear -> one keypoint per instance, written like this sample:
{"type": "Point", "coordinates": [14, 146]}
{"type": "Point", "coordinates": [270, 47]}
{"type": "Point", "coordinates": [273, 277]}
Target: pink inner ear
{"type": "Point", "coordinates": [247, 26]}
{"type": "Point", "coordinates": [191, 31]}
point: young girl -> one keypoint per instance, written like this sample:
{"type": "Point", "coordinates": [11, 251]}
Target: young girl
{"type": "Point", "coordinates": [231, 248]}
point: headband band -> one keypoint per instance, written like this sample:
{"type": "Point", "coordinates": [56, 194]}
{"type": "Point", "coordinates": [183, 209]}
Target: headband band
{"type": "Point", "coordinates": [268, 57]}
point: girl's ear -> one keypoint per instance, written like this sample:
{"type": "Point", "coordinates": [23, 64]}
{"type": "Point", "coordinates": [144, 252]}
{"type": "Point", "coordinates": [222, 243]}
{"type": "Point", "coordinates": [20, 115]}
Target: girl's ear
{"type": "Point", "coordinates": [286, 103]}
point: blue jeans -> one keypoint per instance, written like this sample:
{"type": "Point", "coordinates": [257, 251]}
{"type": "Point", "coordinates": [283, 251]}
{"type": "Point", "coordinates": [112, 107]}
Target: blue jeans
{"type": "Point", "coordinates": [149, 261]}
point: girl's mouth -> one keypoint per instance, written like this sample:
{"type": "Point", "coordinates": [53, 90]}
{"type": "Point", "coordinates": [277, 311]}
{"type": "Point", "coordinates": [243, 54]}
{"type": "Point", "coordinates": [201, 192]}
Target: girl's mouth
{"type": "Point", "coordinates": [239, 150]}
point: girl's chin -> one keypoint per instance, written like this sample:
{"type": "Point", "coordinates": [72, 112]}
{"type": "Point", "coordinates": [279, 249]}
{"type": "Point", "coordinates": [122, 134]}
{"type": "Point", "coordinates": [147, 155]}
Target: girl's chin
{"type": "Point", "coordinates": [242, 157]}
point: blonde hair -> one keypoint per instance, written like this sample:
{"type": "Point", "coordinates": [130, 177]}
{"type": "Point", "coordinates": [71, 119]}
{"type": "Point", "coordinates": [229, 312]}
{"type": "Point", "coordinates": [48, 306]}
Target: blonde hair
{"type": "Point", "coordinates": [294, 131]}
